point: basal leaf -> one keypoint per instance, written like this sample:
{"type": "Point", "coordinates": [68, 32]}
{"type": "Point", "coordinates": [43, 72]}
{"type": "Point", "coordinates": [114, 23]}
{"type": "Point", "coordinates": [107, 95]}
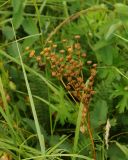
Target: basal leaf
{"type": "Point", "coordinates": [99, 114]}
{"type": "Point", "coordinates": [30, 26]}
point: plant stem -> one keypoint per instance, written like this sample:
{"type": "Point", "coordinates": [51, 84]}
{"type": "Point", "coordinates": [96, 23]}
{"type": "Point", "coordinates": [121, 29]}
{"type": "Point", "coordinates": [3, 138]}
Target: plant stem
{"type": "Point", "coordinates": [91, 136]}
{"type": "Point", "coordinates": [77, 131]}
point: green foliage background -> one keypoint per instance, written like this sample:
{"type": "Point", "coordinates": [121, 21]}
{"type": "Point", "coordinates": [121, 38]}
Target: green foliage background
{"type": "Point", "coordinates": [103, 27]}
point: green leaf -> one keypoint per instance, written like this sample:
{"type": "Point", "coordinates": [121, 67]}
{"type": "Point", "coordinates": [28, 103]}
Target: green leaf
{"type": "Point", "coordinates": [29, 41]}
{"type": "Point", "coordinates": [30, 26]}
{"type": "Point", "coordinates": [99, 114]}
{"type": "Point", "coordinates": [101, 44]}
{"type": "Point", "coordinates": [8, 32]}
{"type": "Point", "coordinates": [18, 10]}
{"type": "Point", "coordinates": [112, 29]}
{"type": "Point", "coordinates": [123, 104]}
{"type": "Point", "coordinates": [106, 54]}
{"type": "Point", "coordinates": [12, 50]}
{"type": "Point", "coordinates": [115, 153]}
{"type": "Point", "coordinates": [123, 148]}
{"type": "Point", "coordinates": [16, 5]}
{"type": "Point", "coordinates": [17, 19]}
{"type": "Point", "coordinates": [121, 8]}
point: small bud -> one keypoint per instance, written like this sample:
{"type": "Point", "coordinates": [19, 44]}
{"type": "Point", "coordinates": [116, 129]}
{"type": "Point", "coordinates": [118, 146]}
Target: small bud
{"type": "Point", "coordinates": [61, 59]}
{"type": "Point", "coordinates": [32, 53]}
{"type": "Point", "coordinates": [68, 87]}
{"type": "Point", "coordinates": [27, 48]}
{"type": "Point", "coordinates": [12, 85]}
{"type": "Point", "coordinates": [50, 42]}
{"type": "Point", "coordinates": [53, 74]}
{"type": "Point", "coordinates": [8, 98]}
{"type": "Point", "coordinates": [54, 45]}
{"type": "Point", "coordinates": [62, 51]}
{"type": "Point", "coordinates": [93, 92]}
{"type": "Point", "coordinates": [89, 62]}
{"type": "Point", "coordinates": [69, 57]}
{"type": "Point", "coordinates": [79, 79]}
{"type": "Point", "coordinates": [64, 40]}
{"type": "Point", "coordinates": [82, 129]}
{"type": "Point", "coordinates": [70, 49]}
{"type": "Point", "coordinates": [38, 58]}
{"type": "Point", "coordinates": [94, 65]}
{"type": "Point", "coordinates": [69, 79]}
{"type": "Point", "coordinates": [77, 37]}
{"type": "Point", "coordinates": [84, 55]}
{"type": "Point", "coordinates": [46, 49]}
{"type": "Point", "coordinates": [77, 46]}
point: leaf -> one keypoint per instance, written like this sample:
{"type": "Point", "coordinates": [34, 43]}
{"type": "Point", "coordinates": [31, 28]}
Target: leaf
{"type": "Point", "coordinates": [64, 107]}
{"type": "Point", "coordinates": [106, 54]}
{"type": "Point", "coordinates": [17, 19]}
{"type": "Point", "coordinates": [123, 104]}
{"type": "Point", "coordinates": [18, 10]}
{"type": "Point", "coordinates": [115, 153]}
{"type": "Point", "coordinates": [8, 32]}
{"type": "Point", "coordinates": [123, 148]}
{"type": "Point", "coordinates": [112, 29]}
{"type": "Point", "coordinates": [101, 44]}
{"type": "Point", "coordinates": [29, 41]}
{"type": "Point", "coordinates": [12, 50]}
{"type": "Point", "coordinates": [121, 8]}
{"type": "Point", "coordinates": [30, 26]}
{"type": "Point", "coordinates": [99, 114]}
{"type": "Point", "coordinates": [16, 5]}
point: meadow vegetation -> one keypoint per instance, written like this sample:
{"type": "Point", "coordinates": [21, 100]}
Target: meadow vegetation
{"type": "Point", "coordinates": [63, 79]}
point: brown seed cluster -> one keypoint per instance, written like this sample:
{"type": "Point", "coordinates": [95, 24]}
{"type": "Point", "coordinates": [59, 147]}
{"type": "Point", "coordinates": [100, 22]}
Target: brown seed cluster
{"type": "Point", "coordinates": [67, 63]}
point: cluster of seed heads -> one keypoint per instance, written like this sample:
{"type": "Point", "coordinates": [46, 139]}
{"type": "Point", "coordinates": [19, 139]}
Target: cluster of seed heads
{"type": "Point", "coordinates": [67, 65]}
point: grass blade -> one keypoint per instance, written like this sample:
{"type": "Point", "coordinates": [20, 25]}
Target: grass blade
{"type": "Point", "coordinates": [40, 136]}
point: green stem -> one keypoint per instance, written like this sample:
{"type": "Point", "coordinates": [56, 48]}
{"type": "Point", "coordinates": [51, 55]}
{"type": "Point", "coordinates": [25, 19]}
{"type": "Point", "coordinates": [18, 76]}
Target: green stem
{"type": "Point", "coordinates": [77, 131]}
{"type": "Point", "coordinates": [38, 17]}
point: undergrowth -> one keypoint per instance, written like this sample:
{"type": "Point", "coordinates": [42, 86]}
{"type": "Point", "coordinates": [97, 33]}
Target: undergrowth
{"type": "Point", "coordinates": [63, 79]}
